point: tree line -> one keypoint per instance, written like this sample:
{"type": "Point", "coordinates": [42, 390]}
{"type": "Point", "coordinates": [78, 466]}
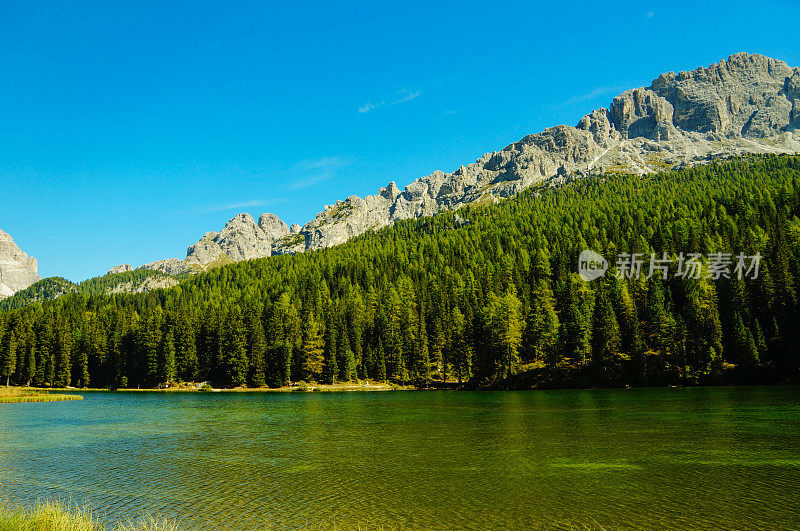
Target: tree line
{"type": "Point", "coordinates": [479, 303]}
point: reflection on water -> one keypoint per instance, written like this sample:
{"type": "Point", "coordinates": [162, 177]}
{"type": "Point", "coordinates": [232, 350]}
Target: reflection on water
{"type": "Point", "coordinates": [679, 458]}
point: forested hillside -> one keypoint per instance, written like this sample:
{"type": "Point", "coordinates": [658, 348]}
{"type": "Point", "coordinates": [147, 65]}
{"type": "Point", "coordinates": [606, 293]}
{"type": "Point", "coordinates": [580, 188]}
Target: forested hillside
{"type": "Point", "coordinates": [481, 301]}
{"type": "Point", "coordinates": [54, 287]}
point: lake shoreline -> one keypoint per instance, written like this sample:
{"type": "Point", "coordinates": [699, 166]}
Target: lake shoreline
{"type": "Point", "coordinates": [385, 387]}
{"type": "Point", "coordinates": [308, 388]}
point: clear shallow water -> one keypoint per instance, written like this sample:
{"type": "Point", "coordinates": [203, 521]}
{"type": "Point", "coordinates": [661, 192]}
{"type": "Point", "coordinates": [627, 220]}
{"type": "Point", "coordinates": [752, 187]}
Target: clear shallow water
{"type": "Point", "coordinates": [655, 458]}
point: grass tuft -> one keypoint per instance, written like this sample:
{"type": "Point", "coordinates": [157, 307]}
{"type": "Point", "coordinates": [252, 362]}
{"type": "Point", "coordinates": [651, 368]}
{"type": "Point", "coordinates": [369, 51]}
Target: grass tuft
{"type": "Point", "coordinates": [12, 395]}
{"type": "Point", "coordinates": [52, 516]}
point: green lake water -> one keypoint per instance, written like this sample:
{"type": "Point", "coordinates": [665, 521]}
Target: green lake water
{"type": "Point", "coordinates": [698, 458]}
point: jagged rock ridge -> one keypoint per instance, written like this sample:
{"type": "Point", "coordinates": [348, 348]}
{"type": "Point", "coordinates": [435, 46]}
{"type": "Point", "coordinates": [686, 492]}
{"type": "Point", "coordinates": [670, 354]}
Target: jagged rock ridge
{"type": "Point", "coordinates": [746, 104]}
{"type": "Point", "coordinates": [17, 269]}
{"type": "Point", "coordinates": [122, 268]}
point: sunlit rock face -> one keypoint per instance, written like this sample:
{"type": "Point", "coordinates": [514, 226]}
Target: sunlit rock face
{"type": "Point", "coordinates": [17, 269]}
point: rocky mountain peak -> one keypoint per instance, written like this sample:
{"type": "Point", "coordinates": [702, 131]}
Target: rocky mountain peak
{"type": "Point", "coordinates": [122, 268]}
{"type": "Point", "coordinates": [272, 226]}
{"type": "Point", "coordinates": [744, 95]}
{"type": "Point", "coordinates": [240, 239]}
{"type": "Point", "coordinates": [17, 269]}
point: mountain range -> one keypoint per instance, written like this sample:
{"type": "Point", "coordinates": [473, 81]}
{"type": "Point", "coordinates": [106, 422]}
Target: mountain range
{"type": "Point", "coordinates": [745, 104]}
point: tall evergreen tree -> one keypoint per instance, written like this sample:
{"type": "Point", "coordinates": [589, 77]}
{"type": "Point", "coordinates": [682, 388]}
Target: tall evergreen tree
{"type": "Point", "coordinates": [233, 349]}
{"type": "Point", "coordinates": [312, 350]}
{"type": "Point", "coordinates": [8, 356]}
{"type": "Point", "coordinates": [256, 350]}
{"type": "Point", "coordinates": [167, 367]}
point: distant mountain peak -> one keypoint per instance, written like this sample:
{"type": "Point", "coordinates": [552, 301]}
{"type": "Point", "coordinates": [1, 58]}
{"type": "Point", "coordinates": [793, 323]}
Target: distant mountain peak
{"type": "Point", "coordinates": [17, 269]}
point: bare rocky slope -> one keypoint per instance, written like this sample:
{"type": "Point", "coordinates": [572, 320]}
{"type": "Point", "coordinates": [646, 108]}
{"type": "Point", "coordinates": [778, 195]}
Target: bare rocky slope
{"type": "Point", "coordinates": [17, 269]}
{"type": "Point", "coordinates": [745, 104]}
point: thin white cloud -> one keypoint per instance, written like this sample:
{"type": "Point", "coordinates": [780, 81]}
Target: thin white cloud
{"type": "Point", "coordinates": [401, 96]}
{"type": "Point", "coordinates": [607, 91]}
{"type": "Point", "coordinates": [369, 106]}
{"type": "Point", "coordinates": [310, 181]}
{"type": "Point", "coordinates": [594, 93]}
{"type": "Point", "coordinates": [407, 95]}
{"type": "Point", "coordinates": [336, 161]}
{"type": "Point", "coordinates": [243, 204]}
{"type": "Point", "coordinates": [313, 171]}
{"type": "Point", "coordinates": [301, 174]}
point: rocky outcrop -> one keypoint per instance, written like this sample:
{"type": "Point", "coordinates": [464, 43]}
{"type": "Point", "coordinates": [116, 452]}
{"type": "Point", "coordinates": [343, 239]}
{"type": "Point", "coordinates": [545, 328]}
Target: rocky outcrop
{"type": "Point", "coordinates": [120, 269]}
{"type": "Point", "coordinates": [643, 113]}
{"type": "Point", "coordinates": [171, 266]}
{"type": "Point", "coordinates": [744, 95]}
{"type": "Point", "coordinates": [745, 104]}
{"type": "Point", "coordinates": [241, 239]}
{"type": "Point", "coordinates": [143, 285]}
{"type": "Point", "coordinates": [17, 269]}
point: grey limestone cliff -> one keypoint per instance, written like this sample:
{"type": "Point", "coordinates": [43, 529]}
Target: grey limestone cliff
{"type": "Point", "coordinates": [17, 269]}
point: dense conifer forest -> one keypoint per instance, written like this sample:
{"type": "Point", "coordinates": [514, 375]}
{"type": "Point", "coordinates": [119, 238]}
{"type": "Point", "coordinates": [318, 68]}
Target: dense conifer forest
{"type": "Point", "coordinates": [496, 301]}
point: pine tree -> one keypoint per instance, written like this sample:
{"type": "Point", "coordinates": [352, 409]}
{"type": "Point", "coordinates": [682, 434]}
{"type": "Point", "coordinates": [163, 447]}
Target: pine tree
{"type": "Point", "coordinates": [576, 325]}
{"type": "Point", "coordinates": [285, 370]}
{"type": "Point", "coordinates": [380, 363]}
{"type": "Point", "coordinates": [233, 349]}
{"type": "Point", "coordinates": [541, 332]}
{"type": "Point", "coordinates": [312, 350]}
{"type": "Point", "coordinates": [421, 356]}
{"type": "Point", "coordinates": [8, 356]}
{"type": "Point", "coordinates": [746, 350]}
{"type": "Point", "coordinates": [185, 350]}
{"type": "Point", "coordinates": [350, 368]}
{"type": "Point", "coordinates": [94, 353]}
{"type": "Point", "coordinates": [400, 371]}
{"type": "Point", "coordinates": [63, 356]}
{"type": "Point", "coordinates": [148, 347]}
{"type": "Point", "coordinates": [167, 367]}
{"type": "Point", "coordinates": [82, 367]}
{"type": "Point", "coordinates": [209, 344]}
{"type": "Point", "coordinates": [760, 340]}
{"type": "Point", "coordinates": [256, 350]}
{"type": "Point", "coordinates": [606, 339]}
{"type": "Point", "coordinates": [347, 368]}
{"type": "Point", "coordinates": [437, 349]}
{"type": "Point", "coordinates": [331, 369]}
{"type": "Point", "coordinates": [461, 349]}
{"type": "Point", "coordinates": [503, 325]}
{"type": "Point", "coordinates": [29, 371]}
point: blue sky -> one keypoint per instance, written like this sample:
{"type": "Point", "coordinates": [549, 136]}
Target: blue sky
{"type": "Point", "coordinates": [129, 129]}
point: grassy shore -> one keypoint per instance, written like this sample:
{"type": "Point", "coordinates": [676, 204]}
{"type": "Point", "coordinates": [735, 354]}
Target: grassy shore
{"type": "Point", "coordinates": [24, 394]}
{"type": "Point", "coordinates": [362, 385]}
{"type": "Point", "coordinates": [50, 516]}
